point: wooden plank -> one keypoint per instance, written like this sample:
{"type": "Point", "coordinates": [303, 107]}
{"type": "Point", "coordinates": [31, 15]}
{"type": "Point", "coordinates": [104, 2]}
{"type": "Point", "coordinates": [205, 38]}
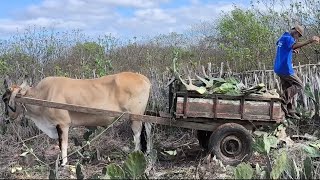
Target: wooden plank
{"type": "Point", "coordinates": [237, 117]}
{"type": "Point", "coordinates": [200, 120]}
{"type": "Point", "coordinates": [248, 124]}
{"type": "Point", "coordinates": [176, 123]}
{"type": "Point", "coordinates": [133, 117]}
{"type": "Point", "coordinates": [213, 124]}
{"type": "Point", "coordinates": [229, 116]}
{"type": "Point", "coordinates": [185, 102]}
{"type": "Point", "coordinates": [221, 70]}
{"type": "Point", "coordinates": [69, 107]}
{"type": "Point", "coordinates": [241, 108]}
{"type": "Point", "coordinates": [219, 116]}
{"type": "Point", "coordinates": [225, 97]}
{"type": "Point", "coordinates": [259, 118]}
{"type": "Point", "coordinates": [271, 109]}
{"type": "Point", "coordinates": [251, 110]}
{"type": "Point", "coordinates": [215, 106]}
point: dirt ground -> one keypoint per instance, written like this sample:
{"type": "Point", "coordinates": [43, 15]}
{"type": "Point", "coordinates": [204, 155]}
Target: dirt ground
{"type": "Point", "coordinates": [190, 160]}
{"type": "Point", "coordinates": [112, 147]}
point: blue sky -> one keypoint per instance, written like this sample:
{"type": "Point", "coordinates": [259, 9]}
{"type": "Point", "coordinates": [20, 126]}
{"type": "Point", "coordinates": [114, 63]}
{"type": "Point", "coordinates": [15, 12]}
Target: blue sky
{"type": "Point", "coordinates": [121, 18]}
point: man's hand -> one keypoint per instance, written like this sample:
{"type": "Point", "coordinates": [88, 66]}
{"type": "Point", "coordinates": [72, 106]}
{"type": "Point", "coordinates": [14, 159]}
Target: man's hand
{"type": "Point", "coordinates": [298, 45]}
{"type": "Point", "coordinates": [296, 51]}
{"type": "Point", "coordinates": [315, 39]}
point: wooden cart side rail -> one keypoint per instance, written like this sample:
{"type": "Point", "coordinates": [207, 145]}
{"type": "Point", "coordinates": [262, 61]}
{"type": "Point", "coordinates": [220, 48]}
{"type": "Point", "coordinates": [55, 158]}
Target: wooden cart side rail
{"type": "Point", "coordinates": [241, 115]}
{"type": "Point", "coordinates": [226, 97]}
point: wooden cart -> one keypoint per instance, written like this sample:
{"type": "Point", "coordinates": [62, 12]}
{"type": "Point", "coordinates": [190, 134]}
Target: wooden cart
{"type": "Point", "coordinates": [222, 121]}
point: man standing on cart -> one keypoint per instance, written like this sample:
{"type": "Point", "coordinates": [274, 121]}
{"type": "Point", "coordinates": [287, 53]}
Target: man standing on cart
{"type": "Point", "coordinates": [283, 67]}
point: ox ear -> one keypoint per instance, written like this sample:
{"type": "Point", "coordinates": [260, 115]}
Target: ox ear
{"type": "Point", "coordinates": [24, 86]}
{"type": "Point", "coordinates": [7, 82]}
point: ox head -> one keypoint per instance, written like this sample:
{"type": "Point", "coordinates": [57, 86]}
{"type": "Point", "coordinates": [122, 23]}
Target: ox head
{"type": "Point", "coordinates": [12, 108]}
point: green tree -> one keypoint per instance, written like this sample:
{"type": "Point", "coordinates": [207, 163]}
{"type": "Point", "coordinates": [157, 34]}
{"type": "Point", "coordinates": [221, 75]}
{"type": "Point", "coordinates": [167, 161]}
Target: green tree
{"type": "Point", "coordinates": [4, 67]}
{"type": "Point", "coordinates": [88, 49]}
{"type": "Point", "coordinates": [89, 57]}
{"type": "Point", "coordinates": [243, 38]}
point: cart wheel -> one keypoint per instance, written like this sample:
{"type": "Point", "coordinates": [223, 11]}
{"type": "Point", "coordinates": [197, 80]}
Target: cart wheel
{"type": "Point", "coordinates": [231, 143]}
{"type": "Point", "coordinates": [203, 138]}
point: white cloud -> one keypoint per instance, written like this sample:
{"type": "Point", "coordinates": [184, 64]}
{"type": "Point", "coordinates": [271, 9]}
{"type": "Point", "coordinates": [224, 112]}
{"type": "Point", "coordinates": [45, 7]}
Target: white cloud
{"type": "Point", "coordinates": [68, 9]}
{"type": "Point", "coordinates": [195, 2]}
{"type": "Point", "coordinates": [131, 3]}
{"type": "Point", "coordinates": [7, 25]}
{"type": "Point", "coordinates": [154, 15]}
{"type": "Point", "coordinates": [101, 16]}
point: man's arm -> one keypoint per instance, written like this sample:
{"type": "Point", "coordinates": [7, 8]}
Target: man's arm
{"type": "Point", "coordinates": [301, 44]}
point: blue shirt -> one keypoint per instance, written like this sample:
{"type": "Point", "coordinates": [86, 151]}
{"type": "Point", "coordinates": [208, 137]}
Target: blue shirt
{"type": "Point", "coordinates": [283, 61]}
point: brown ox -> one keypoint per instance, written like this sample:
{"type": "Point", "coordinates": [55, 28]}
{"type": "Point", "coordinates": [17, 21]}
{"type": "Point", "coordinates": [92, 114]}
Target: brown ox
{"type": "Point", "coordinates": [123, 92]}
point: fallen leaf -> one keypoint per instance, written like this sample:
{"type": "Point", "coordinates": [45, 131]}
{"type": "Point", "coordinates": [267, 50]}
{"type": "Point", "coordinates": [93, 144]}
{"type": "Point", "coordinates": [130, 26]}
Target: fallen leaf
{"type": "Point", "coordinates": [172, 153]}
{"type": "Point", "coordinates": [13, 170]}
{"type": "Point", "coordinates": [24, 154]}
{"type": "Point", "coordinates": [259, 133]}
{"type": "Point", "coordinates": [73, 169]}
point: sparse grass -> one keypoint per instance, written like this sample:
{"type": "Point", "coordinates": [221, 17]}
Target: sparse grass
{"type": "Point", "coordinates": [113, 146]}
{"type": "Point", "coordinates": [42, 52]}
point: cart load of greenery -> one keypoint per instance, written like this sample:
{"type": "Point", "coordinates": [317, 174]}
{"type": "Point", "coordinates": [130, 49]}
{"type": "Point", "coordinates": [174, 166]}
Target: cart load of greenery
{"type": "Point", "coordinates": [228, 86]}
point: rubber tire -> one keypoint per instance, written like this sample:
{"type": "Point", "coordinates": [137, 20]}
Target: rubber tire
{"type": "Point", "coordinates": [203, 138]}
{"type": "Point", "coordinates": [231, 129]}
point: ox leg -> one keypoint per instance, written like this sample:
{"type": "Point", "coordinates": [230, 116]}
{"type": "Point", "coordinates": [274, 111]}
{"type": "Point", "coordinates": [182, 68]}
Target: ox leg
{"type": "Point", "coordinates": [63, 142]}
{"type": "Point", "coordinates": [136, 128]}
{"type": "Point", "coordinates": [148, 128]}
{"type": "Point", "coordinates": [59, 130]}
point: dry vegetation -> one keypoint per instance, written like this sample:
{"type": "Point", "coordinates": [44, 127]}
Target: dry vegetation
{"type": "Point", "coordinates": [240, 52]}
